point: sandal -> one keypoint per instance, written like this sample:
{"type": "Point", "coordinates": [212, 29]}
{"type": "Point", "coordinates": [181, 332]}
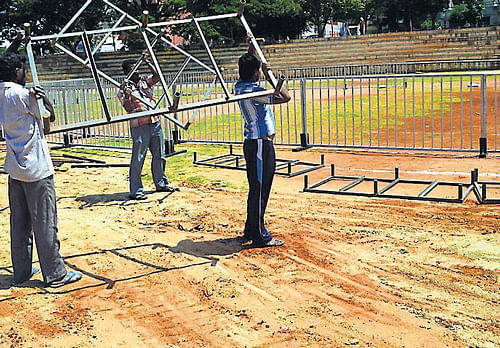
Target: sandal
{"type": "Point", "coordinates": [34, 270]}
{"type": "Point", "coordinates": [70, 277]}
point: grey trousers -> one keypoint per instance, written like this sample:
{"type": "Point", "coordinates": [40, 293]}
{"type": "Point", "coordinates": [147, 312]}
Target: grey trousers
{"type": "Point", "coordinates": [33, 211]}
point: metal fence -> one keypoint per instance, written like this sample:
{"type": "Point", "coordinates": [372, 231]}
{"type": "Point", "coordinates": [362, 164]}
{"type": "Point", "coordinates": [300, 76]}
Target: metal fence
{"type": "Point", "coordinates": [442, 112]}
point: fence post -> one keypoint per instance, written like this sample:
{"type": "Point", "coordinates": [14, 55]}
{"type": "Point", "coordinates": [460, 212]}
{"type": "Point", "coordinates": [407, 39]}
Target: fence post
{"type": "Point", "coordinates": [304, 136]}
{"type": "Point", "coordinates": [483, 145]}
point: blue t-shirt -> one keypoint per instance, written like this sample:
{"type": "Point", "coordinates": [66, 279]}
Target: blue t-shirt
{"type": "Point", "coordinates": [258, 116]}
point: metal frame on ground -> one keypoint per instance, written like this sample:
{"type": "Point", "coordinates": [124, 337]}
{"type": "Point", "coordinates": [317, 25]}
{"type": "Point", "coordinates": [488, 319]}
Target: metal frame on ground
{"type": "Point", "coordinates": [232, 160]}
{"type": "Point", "coordinates": [463, 189]}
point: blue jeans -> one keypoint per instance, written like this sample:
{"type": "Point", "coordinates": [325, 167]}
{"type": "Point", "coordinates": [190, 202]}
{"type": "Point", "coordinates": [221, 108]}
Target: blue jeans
{"type": "Point", "coordinates": [147, 136]}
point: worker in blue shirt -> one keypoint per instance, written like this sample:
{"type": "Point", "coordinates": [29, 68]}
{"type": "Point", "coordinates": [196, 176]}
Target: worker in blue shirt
{"type": "Point", "coordinates": [260, 157]}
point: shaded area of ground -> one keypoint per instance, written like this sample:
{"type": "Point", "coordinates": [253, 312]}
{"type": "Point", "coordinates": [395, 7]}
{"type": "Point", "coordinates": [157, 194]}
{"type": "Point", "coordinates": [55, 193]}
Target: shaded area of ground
{"type": "Point", "coordinates": [167, 271]}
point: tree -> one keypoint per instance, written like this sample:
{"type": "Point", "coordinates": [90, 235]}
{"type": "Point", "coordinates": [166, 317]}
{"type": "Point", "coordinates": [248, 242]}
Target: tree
{"type": "Point", "coordinates": [469, 12]}
{"type": "Point", "coordinates": [405, 14]}
{"type": "Point", "coordinates": [319, 12]}
{"type": "Point", "coordinates": [50, 16]}
{"type": "Point", "coordinates": [267, 18]}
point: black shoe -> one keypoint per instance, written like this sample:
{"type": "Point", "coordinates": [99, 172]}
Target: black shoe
{"type": "Point", "coordinates": [270, 243]}
{"type": "Point", "coordinates": [139, 196]}
{"type": "Point", "coordinates": [167, 189]}
{"type": "Point", "coordinates": [243, 239]}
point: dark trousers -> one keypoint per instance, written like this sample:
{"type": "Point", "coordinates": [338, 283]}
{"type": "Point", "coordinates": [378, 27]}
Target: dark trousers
{"type": "Point", "coordinates": [33, 211]}
{"type": "Point", "coordinates": [260, 161]}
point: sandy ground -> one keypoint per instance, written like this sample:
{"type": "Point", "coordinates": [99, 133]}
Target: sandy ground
{"type": "Point", "coordinates": [354, 272]}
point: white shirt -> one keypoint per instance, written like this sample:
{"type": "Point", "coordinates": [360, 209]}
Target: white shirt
{"type": "Point", "coordinates": [28, 158]}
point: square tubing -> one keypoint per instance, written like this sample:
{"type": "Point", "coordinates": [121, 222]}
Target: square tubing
{"type": "Point", "coordinates": [171, 44]}
{"type": "Point", "coordinates": [388, 187]}
{"type": "Point", "coordinates": [174, 80]}
{"type": "Point", "coordinates": [139, 61]}
{"type": "Point", "coordinates": [263, 59]}
{"type": "Point", "coordinates": [118, 22]}
{"type": "Point", "coordinates": [428, 189]}
{"type": "Point", "coordinates": [353, 184]}
{"type": "Point", "coordinates": [75, 17]}
{"type": "Point", "coordinates": [34, 74]}
{"type": "Point", "coordinates": [483, 146]}
{"type": "Point", "coordinates": [157, 67]}
{"type": "Point", "coordinates": [93, 69]}
{"type": "Point", "coordinates": [117, 84]}
{"type": "Point", "coordinates": [212, 59]}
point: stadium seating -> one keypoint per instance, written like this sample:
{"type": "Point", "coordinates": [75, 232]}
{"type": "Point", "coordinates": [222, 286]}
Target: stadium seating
{"type": "Point", "coordinates": [422, 46]}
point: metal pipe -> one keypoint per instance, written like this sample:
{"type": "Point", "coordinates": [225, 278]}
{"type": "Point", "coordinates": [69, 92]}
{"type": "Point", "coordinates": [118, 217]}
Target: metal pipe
{"type": "Point", "coordinates": [145, 15]}
{"type": "Point", "coordinates": [93, 69]}
{"type": "Point", "coordinates": [171, 44]}
{"type": "Point", "coordinates": [257, 49]}
{"type": "Point", "coordinates": [175, 103]}
{"type": "Point", "coordinates": [96, 48]}
{"type": "Point", "coordinates": [164, 112]}
{"type": "Point", "coordinates": [75, 16]}
{"type": "Point", "coordinates": [242, 8]}
{"type": "Point", "coordinates": [29, 52]}
{"type": "Point", "coordinates": [212, 59]}
{"type": "Point", "coordinates": [279, 85]}
{"type": "Point", "coordinates": [157, 67]}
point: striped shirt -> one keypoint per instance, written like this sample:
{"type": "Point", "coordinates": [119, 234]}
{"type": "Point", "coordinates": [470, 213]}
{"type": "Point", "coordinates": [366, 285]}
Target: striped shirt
{"type": "Point", "coordinates": [259, 118]}
{"type": "Point", "coordinates": [145, 88]}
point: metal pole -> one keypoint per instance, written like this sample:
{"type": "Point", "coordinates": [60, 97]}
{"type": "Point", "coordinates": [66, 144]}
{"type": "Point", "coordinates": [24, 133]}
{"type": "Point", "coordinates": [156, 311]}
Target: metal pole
{"type": "Point", "coordinates": [212, 59]}
{"type": "Point", "coordinates": [304, 136]}
{"type": "Point", "coordinates": [257, 49]}
{"type": "Point", "coordinates": [75, 17]}
{"type": "Point", "coordinates": [34, 74]}
{"type": "Point", "coordinates": [93, 68]}
{"type": "Point", "coordinates": [171, 44]}
{"type": "Point", "coordinates": [483, 147]}
{"type": "Point", "coordinates": [157, 67]}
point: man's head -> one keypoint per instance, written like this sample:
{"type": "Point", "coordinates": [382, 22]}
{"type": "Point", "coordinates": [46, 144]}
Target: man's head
{"type": "Point", "coordinates": [249, 67]}
{"type": "Point", "coordinates": [127, 65]}
{"type": "Point", "coordinates": [12, 68]}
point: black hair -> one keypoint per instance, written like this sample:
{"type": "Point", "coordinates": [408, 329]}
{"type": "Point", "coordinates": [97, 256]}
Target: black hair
{"type": "Point", "coordinates": [126, 64]}
{"type": "Point", "coordinates": [248, 64]}
{"type": "Point", "coordinates": [9, 64]}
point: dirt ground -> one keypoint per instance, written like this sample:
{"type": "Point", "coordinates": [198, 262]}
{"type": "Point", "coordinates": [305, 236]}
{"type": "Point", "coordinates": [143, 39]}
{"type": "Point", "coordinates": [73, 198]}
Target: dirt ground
{"type": "Point", "coordinates": [354, 272]}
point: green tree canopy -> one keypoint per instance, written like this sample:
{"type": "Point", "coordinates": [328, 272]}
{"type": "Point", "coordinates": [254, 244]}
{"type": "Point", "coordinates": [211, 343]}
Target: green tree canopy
{"type": "Point", "coordinates": [469, 12]}
{"type": "Point", "coordinates": [319, 12]}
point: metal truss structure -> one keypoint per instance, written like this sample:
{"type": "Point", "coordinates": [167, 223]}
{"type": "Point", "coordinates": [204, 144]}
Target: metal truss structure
{"type": "Point", "coordinates": [463, 189]}
{"type": "Point", "coordinates": [284, 167]}
{"type": "Point", "coordinates": [147, 31]}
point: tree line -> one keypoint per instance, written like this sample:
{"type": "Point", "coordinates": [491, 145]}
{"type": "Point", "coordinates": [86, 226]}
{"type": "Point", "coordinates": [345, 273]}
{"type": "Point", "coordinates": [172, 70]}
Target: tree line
{"type": "Point", "coordinates": [272, 19]}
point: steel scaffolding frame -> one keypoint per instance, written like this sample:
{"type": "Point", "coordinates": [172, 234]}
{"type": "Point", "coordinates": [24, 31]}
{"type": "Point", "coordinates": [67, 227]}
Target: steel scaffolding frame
{"type": "Point", "coordinates": [145, 28]}
{"type": "Point", "coordinates": [463, 189]}
{"type": "Point", "coordinates": [284, 167]}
